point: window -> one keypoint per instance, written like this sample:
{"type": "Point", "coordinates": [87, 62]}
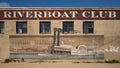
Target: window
{"type": "Point", "coordinates": [45, 27]}
{"type": "Point", "coordinates": [88, 27]}
{"type": "Point", "coordinates": [68, 27]}
{"type": "Point", "coordinates": [21, 27]}
{"type": "Point", "coordinates": [1, 27]}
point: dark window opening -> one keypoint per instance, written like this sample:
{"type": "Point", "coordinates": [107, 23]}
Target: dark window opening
{"type": "Point", "coordinates": [68, 27]}
{"type": "Point", "coordinates": [1, 27]}
{"type": "Point", "coordinates": [21, 27]}
{"type": "Point", "coordinates": [88, 27]}
{"type": "Point", "coordinates": [45, 27]}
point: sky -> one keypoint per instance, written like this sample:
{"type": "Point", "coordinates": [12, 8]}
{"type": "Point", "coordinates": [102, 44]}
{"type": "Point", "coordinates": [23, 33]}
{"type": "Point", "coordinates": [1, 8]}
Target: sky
{"type": "Point", "coordinates": [59, 3]}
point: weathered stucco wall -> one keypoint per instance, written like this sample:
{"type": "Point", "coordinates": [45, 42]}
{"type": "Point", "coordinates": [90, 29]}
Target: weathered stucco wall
{"type": "Point", "coordinates": [106, 33]}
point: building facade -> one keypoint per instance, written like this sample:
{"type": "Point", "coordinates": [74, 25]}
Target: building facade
{"type": "Point", "coordinates": [31, 31]}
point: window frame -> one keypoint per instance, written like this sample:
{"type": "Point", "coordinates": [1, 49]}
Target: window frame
{"type": "Point", "coordinates": [87, 28]}
{"type": "Point", "coordinates": [68, 27]}
{"type": "Point", "coordinates": [2, 28]}
{"type": "Point", "coordinates": [45, 28]}
{"type": "Point", "coordinates": [20, 25]}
